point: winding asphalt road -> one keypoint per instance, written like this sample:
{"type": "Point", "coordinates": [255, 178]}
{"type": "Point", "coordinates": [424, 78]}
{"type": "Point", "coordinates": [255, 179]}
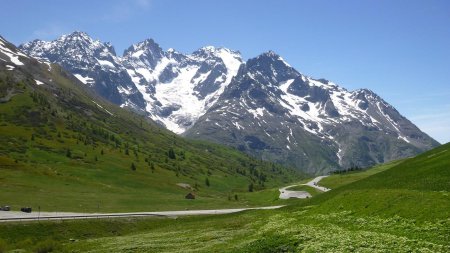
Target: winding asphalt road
{"type": "Point", "coordinates": [10, 216]}
{"type": "Point", "coordinates": [286, 194]}
{"type": "Point", "coordinates": [314, 183]}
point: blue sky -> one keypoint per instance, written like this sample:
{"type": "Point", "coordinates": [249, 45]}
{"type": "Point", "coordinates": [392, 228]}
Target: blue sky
{"type": "Point", "coordinates": [398, 48]}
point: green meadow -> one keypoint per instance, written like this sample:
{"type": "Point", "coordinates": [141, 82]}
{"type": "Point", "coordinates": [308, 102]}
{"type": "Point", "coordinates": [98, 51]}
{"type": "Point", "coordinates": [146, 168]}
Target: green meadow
{"type": "Point", "coordinates": [402, 208]}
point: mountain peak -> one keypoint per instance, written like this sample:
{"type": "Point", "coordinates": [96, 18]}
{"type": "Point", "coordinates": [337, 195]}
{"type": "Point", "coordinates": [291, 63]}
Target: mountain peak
{"type": "Point", "coordinates": [270, 54]}
{"type": "Point", "coordinates": [149, 43]}
{"type": "Point", "coordinates": [77, 45]}
{"type": "Point", "coordinates": [75, 36]}
{"type": "Point", "coordinates": [147, 46]}
{"type": "Point", "coordinates": [79, 34]}
{"type": "Point", "coordinates": [208, 51]}
{"type": "Point", "coordinates": [208, 48]}
{"type": "Point", "coordinates": [270, 64]}
{"type": "Point", "coordinates": [365, 91]}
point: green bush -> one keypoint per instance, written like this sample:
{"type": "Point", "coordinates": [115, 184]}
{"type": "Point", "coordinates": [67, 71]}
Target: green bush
{"type": "Point", "coordinates": [3, 246]}
{"type": "Point", "coordinates": [272, 244]}
{"type": "Point", "coordinates": [46, 246]}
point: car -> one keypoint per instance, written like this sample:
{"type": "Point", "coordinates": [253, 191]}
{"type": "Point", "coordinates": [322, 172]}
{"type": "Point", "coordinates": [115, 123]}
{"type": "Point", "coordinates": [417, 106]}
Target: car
{"type": "Point", "coordinates": [26, 209]}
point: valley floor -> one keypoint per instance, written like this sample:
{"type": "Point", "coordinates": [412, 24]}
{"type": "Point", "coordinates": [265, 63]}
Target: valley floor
{"type": "Point", "coordinates": [37, 215]}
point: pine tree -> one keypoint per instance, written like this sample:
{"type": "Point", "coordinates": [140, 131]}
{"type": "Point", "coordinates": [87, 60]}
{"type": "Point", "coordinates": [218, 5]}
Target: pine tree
{"type": "Point", "coordinates": [152, 167]}
{"type": "Point", "coordinates": [250, 187]}
{"type": "Point", "coordinates": [171, 154]}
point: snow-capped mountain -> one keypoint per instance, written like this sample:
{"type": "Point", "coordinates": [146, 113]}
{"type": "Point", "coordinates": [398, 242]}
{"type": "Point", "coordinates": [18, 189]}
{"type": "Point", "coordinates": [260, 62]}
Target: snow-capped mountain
{"type": "Point", "coordinates": [94, 63]}
{"type": "Point", "coordinates": [172, 88]}
{"type": "Point", "coordinates": [263, 106]}
{"type": "Point", "coordinates": [274, 112]}
{"type": "Point", "coordinates": [179, 88]}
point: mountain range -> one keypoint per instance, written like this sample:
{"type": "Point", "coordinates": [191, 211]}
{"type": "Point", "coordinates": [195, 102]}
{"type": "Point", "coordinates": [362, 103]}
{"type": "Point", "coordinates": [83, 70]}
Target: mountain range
{"type": "Point", "coordinates": [262, 106]}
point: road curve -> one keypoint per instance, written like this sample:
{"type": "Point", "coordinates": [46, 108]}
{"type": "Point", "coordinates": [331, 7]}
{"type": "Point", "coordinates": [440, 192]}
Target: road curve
{"type": "Point", "coordinates": [10, 216]}
{"type": "Point", "coordinates": [314, 183]}
{"type": "Point", "coordinates": [286, 194]}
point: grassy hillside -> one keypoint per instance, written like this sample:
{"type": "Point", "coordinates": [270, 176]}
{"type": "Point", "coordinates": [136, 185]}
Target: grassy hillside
{"type": "Point", "coordinates": [401, 209]}
{"type": "Point", "coordinates": [64, 149]}
{"type": "Point", "coordinates": [416, 188]}
{"type": "Point", "coordinates": [337, 180]}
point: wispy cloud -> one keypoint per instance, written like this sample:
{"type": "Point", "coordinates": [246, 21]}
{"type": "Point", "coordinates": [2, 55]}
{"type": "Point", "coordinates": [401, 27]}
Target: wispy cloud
{"type": "Point", "coordinates": [123, 10]}
{"type": "Point", "coordinates": [50, 31]}
{"type": "Point", "coordinates": [143, 3]}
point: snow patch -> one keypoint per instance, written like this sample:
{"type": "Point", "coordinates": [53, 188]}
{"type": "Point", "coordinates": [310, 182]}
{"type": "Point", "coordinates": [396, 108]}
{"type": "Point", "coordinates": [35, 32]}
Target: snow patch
{"type": "Point", "coordinates": [138, 53]}
{"type": "Point", "coordinates": [339, 154]}
{"type": "Point", "coordinates": [403, 138]}
{"type": "Point", "coordinates": [49, 65]}
{"type": "Point", "coordinates": [102, 108]}
{"type": "Point", "coordinates": [293, 104]}
{"type": "Point", "coordinates": [258, 112]}
{"type": "Point", "coordinates": [123, 90]}
{"type": "Point", "coordinates": [238, 126]}
{"type": "Point", "coordinates": [106, 63]}
{"type": "Point", "coordinates": [13, 57]}
{"type": "Point", "coordinates": [85, 80]}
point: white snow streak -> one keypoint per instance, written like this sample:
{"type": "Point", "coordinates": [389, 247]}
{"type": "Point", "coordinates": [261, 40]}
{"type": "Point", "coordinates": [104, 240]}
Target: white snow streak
{"type": "Point", "coordinates": [85, 80]}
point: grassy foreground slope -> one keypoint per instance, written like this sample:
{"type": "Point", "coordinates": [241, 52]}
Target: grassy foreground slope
{"type": "Point", "coordinates": [65, 149]}
{"type": "Point", "coordinates": [402, 209]}
{"type": "Point", "coordinates": [417, 188]}
{"type": "Point", "coordinates": [337, 180]}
